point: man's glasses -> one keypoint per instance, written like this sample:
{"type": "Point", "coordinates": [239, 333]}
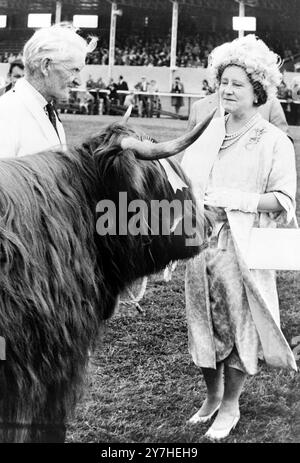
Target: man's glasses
{"type": "Point", "coordinates": [73, 72]}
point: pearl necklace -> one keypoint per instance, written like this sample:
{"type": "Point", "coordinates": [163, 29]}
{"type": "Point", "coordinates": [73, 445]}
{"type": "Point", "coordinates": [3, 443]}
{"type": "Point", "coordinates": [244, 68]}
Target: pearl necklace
{"type": "Point", "coordinates": [232, 138]}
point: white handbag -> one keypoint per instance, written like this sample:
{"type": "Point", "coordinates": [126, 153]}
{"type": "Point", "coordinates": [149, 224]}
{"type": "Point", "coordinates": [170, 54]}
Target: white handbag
{"type": "Point", "coordinates": [274, 248]}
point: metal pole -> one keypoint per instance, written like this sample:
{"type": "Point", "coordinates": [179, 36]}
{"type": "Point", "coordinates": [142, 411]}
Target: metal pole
{"type": "Point", "coordinates": [58, 11]}
{"type": "Point", "coordinates": [241, 15]}
{"type": "Point", "coordinates": [112, 38]}
{"type": "Point", "coordinates": [173, 39]}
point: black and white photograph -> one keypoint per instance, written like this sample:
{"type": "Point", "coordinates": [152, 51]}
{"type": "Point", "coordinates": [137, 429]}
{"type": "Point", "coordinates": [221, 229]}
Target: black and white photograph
{"type": "Point", "coordinates": [149, 237]}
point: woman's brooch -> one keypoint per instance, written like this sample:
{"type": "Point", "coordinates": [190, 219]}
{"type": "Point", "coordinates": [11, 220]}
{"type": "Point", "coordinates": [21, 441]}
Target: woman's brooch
{"type": "Point", "coordinates": [255, 136]}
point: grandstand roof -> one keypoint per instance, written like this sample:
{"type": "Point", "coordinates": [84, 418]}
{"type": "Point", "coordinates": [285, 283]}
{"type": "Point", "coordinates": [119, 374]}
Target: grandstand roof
{"type": "Point", "coordinates": [100, 5]}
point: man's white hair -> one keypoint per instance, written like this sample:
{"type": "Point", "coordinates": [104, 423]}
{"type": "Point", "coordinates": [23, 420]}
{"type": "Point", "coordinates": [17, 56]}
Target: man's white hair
{"type": "Point", "coordinates": [57, 42]}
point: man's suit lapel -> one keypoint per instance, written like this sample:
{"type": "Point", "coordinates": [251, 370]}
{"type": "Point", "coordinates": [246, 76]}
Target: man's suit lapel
{"type": "Point", "coordinates": [38, 113]}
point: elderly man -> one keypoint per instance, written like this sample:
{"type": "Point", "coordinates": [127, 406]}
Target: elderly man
{"type": "Point", "coordinates": [53, 59]}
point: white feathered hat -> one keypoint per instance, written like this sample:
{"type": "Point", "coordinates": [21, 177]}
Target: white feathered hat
{"type": "Point", "coordinates": [252, 54]}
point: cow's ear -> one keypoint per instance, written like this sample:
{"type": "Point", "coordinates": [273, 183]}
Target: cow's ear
{"type": "Point", "coordinates": [45, 66]}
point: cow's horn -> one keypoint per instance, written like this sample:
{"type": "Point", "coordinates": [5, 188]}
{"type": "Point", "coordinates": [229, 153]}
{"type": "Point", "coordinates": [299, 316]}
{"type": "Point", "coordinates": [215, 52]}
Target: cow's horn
{"type": "Point", "coordinates": [148, 150]}
{"type": "Point", "coordinates": [127, 114]}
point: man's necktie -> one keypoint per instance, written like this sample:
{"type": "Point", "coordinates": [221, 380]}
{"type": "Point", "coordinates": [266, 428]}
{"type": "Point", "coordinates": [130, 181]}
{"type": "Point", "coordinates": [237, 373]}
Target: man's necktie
{"type": "Point", "coordinates": [51, 114]}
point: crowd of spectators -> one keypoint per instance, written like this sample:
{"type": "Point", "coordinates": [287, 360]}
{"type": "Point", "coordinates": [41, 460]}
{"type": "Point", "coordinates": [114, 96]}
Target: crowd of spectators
{"type": "Point", "coordinates": [192, 51]}
{"type": "Point", "coordinates": [135, 50]}
{"type": "Point", "coordinates": [115, 97]}
{"type": "Point", "coordinates": [99, 97]}
{"type": "Point", "coordinates": [7, 57]}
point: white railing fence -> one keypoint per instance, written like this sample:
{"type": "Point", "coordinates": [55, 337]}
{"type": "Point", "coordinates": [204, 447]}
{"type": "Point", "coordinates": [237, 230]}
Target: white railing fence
{"type": "Point", "coordinates": [149, 104]}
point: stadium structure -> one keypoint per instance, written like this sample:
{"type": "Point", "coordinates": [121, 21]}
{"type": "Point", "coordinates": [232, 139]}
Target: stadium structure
{"type": "Point", "coordinates": [148, 17]}
{"type": "Point", "coordinates": [173, 25]}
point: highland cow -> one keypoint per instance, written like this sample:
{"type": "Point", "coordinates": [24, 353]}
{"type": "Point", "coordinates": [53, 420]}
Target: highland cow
{"type": "Point", "coordinates": [59, 278]}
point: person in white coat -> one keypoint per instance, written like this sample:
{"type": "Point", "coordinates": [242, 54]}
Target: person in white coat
{"type": "Point", "coordinates": [53, 59]}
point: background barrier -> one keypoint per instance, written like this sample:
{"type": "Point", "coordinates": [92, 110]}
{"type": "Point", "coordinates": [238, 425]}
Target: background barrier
{"type": "Point", "coordinates": [158, 104]}
{"type": "Point", "coordinates": [191, 77]}
{"type": "Point", "coordinates": [149, 104]}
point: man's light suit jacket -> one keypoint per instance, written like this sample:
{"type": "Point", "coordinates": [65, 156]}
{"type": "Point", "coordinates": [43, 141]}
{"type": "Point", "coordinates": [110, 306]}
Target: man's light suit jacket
{"type": "Point", "coordinates": [24, 125]}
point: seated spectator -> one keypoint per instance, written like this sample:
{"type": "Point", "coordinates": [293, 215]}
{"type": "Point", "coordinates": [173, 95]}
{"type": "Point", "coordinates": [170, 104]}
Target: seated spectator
{"type": "Point", "coordinates": [100, 84]}
{"type": "Point", "coordinates": [284, 93]}
{"type": "Point", "coordinates": [192, 50]}
{"type": "Point", "coordinates": [153, 87]}
{"type": "Point", "coordinates": [206, 89]}
{"type": "Point", "coordinates": [86, 102]}
{"type": "Point", "coordinates": [90, 83]}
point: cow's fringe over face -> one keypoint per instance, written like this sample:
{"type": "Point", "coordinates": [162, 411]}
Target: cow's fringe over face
{"type": "Point", "coordinates": [59, 279]}
{"type": "Point", "coordinates": [129, 257]}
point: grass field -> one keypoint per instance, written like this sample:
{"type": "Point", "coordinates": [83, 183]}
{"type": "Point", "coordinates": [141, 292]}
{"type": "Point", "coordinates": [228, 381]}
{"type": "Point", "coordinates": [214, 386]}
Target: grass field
{"type": "Point", "coordinates": [143, 385]}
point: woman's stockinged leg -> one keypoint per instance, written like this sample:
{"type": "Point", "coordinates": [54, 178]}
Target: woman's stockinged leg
{"type": "Point", "coordinates": [215, 388]}
{"type": "Point", "coordinates": [214, 381]}
{"type": "Point", "coordinates": [229, 413]}
{"type": "Point", "coordinates": [234, 381]}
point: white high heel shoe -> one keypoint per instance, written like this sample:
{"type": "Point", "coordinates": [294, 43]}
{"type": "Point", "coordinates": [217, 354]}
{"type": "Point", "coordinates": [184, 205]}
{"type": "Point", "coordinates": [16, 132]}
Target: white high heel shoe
{"type": "Point", "coordinates": [203, 419]}
{"type": "Point", "coordinates": [221, 433]}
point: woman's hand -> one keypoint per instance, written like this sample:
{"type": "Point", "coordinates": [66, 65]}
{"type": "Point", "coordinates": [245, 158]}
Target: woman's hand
{"type": "Point", "coordinates": [232, 199]}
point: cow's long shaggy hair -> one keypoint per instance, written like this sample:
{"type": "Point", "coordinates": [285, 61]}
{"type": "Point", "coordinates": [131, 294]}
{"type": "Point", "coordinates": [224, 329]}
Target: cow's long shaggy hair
{"type": "Point", "coordinates": [58, 279]}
